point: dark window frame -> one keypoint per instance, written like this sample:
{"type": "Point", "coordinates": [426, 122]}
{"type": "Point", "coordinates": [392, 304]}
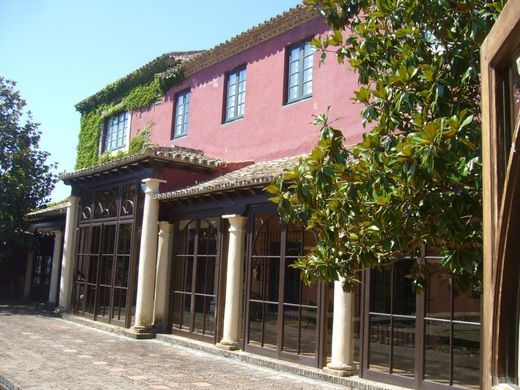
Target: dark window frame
{"type": "Point", "coordinates": [112, 299]}
{"type": "Point", "coordinates": [280, 255]}
{"type": "Point", "coordinates": [236, 71]}
{"type": "Point", "coordinates": [301, 60]}
{"type": "Point", "coordinates": [184, 125]}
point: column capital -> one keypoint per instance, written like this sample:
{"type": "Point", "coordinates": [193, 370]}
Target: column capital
{"type": "Point", "coordinates": [152, 185]}
{"type": "Point", "coordinates": [73, 200]}
{"type": "Point", "coordinates": [165, 228]}
{"type": "Point", "coordinates": [236, 222]}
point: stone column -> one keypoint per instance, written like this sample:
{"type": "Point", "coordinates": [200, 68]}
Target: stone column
{"type": "Point", "coordinates": [28, 275]}
{"type": "Point", "coordinates": [53, 289]}
{"type": "Point", "coordinates": [233, 279]}
{"type": "Point", "coordinates": [342, 332]}
{"type": "Point", "coordinates": [67, 260]}
{"type": "Point", "coordinates": [162, 281]}
{"type": "Point", "coordinates": [147, 259]}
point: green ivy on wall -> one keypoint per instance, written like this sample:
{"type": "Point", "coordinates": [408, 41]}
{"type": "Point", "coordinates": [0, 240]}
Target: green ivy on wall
{"type": "Point", "coordinates": [139, 89]}
{"type": "Point", "coordinates": [137, 145]}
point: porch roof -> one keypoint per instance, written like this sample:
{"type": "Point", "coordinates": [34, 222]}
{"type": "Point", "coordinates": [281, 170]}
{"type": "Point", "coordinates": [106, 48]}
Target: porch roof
{"type": "Point", "coordinates": [255, 175]}
{"type": "Point", "coordinates": [173, 155]}
{"type": "Point", "coordinates": [55, 210]}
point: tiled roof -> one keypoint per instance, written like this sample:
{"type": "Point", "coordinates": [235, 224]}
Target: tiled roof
{"type": "Point", "coordinates": [157, 65]}
{"type": "Point", "coordinates": [254, 175]}
{"type": "Point", "coordinates": [174, 154]}
{"type": "Point", "coordinates": [255, 35]}
{"type": "Point", "coordinates": [58, 209]}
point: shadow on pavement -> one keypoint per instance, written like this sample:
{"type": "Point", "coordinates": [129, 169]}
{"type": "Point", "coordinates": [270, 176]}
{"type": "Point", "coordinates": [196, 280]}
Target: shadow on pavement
{"type": "Point", "coordinates": [25, 307]}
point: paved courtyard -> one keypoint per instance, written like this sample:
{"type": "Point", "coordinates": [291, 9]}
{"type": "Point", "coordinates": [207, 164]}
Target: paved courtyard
{"type": "Point", "coordinates": [43, 352]}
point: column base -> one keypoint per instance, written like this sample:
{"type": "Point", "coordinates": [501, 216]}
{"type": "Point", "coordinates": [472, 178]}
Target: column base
{"type": "Point", "coordinates": [228, 345]}
{"type": "Point", "coordinates": [142, 332]}
{"type": "Point", "coordinates": [339, 369]}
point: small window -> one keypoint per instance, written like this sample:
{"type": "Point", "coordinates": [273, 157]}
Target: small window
{"type": "Point", "coordinates": [235, 94]}
{"type": "Point", "coordinates": [116, 131]}
{"type": "Point", "coordinates": [182, 114]}
{"type": "Point", "coordinates": [299, 71]}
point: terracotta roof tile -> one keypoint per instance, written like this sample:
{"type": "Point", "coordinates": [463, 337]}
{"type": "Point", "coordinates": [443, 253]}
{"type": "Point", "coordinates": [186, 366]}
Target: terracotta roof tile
{"type": "Point", "coordinates": [259, 174]}
{"type": "Point", "coordinates": [58, 209]}
{"type": "Point", "coordinates": [174, 154]}
{"type": "Point", "coordinates": [249, 38]}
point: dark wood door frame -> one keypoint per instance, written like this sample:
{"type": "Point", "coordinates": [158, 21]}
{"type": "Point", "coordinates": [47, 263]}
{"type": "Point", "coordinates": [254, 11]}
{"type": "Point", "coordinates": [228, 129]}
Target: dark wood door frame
{"type": "Point", "coordinates": [279, 353]}
{"type": "Point", "coordinates": [500, 201]}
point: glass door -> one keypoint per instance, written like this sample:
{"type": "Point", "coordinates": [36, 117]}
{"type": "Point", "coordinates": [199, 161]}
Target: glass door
{"type": "Point", "coordinates": [106, 254]}
{"type": "Point", "coordinates": [391, 325]}
{"type": "Point", "coordinates": [283, 316]}
{"type": "Point", "coordinates": [429, 340]}
{"type": "Point", "coordinates": [195, 278]}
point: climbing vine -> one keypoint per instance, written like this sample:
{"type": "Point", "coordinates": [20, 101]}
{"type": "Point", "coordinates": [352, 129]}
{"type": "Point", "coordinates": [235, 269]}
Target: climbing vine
{"type": "Point", "coordinates": [137, 144]}
{"type": "Point", "coordinates": [139, 89]}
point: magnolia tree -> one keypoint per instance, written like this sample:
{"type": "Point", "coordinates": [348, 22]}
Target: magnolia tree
{"type": "Point", "coordinates": [26, 179]}
{"type": "Point", "coordinates": [414, 182]}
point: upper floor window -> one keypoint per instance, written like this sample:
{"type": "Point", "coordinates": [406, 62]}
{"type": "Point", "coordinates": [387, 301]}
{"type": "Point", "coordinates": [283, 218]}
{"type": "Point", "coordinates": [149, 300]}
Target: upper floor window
{"type": "Point", "coordinates": [116, 131]}
{"type": "Point", "coordinates": [235, 94]}
{"type": "Point", "coordinates": [299, 77]}
{"type": "Point", "coordinates": [182, 114]}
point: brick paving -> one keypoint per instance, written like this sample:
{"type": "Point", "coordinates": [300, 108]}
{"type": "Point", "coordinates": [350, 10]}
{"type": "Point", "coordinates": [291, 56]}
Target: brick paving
{"type": "Point", "coordinates": [43, 352]}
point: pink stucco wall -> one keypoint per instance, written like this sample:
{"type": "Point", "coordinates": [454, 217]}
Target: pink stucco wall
{"type": "Point", "coordinates": [269, 129]}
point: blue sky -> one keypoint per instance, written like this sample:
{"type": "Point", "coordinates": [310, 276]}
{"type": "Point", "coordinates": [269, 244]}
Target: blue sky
{"type": "Point", "coordinates": [62, 51]}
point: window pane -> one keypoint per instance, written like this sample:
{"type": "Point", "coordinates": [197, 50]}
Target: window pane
{"type": "Point", "coordinates": [186, 311]}
{"type": "Point", "coordinates": [437, 351]}
{"type": "Point", "coordinates": [270, 328]}
{"type": "Point", "coordinates": [438, 293]}
{"type": "Point", "coordinates": [307, 75]}
{"type": "Point", "coordinates": [380, 295]}
{"type": "Point", "coordinates": [466, 306]}
{"type": "Point", "coordinates": [257, 278]}
{"type": "Point", "coordinates": [293, 80]}
{"type": "Point", "coordinates": [308, 331]}
{"type": "Point", "coordinates": [295, 53]}
{"type": "Point", "coordinates": [294, 67]}
{"type": "Point", "coordinates": [308, 62]}
{"type": "Point", "coordinates": [307, 88]}
{"type": "Point", "coordinates": [309, 49]}
{"type": "Point", "coordinates": [466, 356]}
{"type": "Point", "coordinates": [291, 328]}
{"type": "Point", "coordinates": [404, 347]}
{"type": "Point", "coordinates": [255, 323]}
{"type": "Point", "coordinates": [210, 303]}
{"type": "Point", "coordinates": [404, 296]}
{"type": "Point", "coordinates": [379, 343]}
{"type": "Point", "coordinates": [293, 93]}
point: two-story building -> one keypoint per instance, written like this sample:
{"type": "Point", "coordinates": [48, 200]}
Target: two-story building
{"type": "Point", "coordinates": [181, 238]}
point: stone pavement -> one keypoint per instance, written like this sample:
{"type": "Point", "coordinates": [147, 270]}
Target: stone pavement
{"type": "Point", "coordinates": [39, 351]}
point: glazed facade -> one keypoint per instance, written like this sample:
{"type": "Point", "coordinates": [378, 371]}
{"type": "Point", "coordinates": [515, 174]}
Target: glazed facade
{"type": "Point", "coordinates": [182, 239]}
